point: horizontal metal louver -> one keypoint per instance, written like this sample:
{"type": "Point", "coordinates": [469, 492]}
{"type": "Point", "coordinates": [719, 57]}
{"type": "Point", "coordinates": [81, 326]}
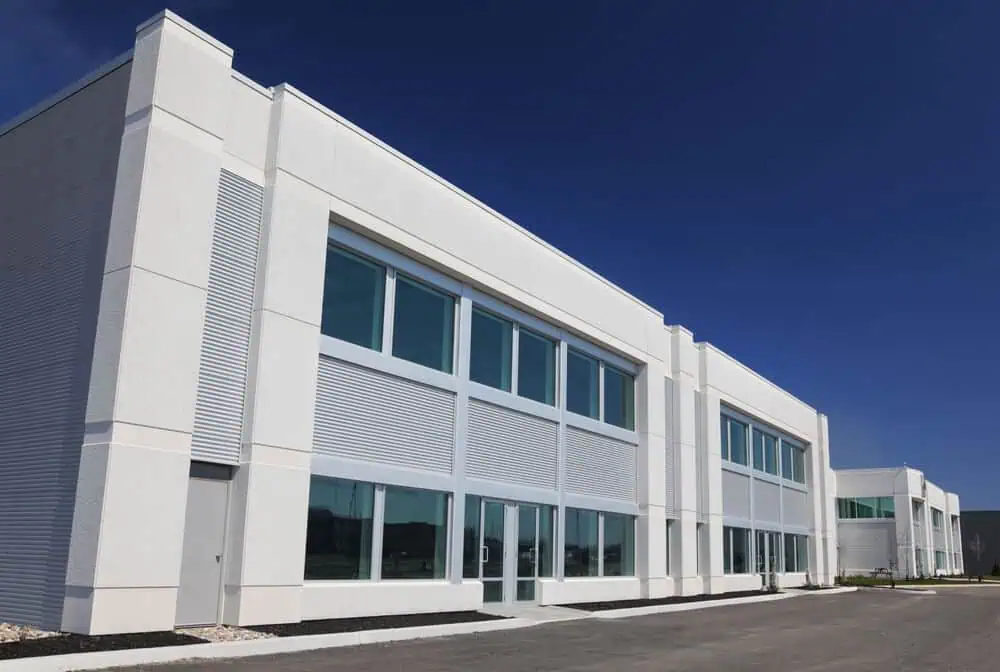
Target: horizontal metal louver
{"type": "Point", "coordinates": [225, 347]}
{"type": "Point", "coordinates": [362, 414]}
{"type": "Point", "coordinates": [599, 465]}
{"type": "Point", "coordinates": [735, 495]}
{"type": "Point", "coordinates": [511, 447]}
{"type": "Point", "coordinates": [796, 509]}
{"type": "Point", "coordinates": [766, 502]}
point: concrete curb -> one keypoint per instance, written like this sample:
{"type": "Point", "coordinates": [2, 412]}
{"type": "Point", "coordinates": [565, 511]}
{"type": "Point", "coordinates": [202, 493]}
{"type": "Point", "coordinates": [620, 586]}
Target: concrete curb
{"type": "Point", "coordinates": [689, 606]}
{"type": "Point", "coordinates": [899, 589]}
{"type": "Point", "coordinates": [840, 590]}
{"type": "Point", "coordinates": [256, 647]}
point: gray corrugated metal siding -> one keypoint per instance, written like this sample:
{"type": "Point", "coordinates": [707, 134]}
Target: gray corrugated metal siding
{"type": "Point", "coordinates": [510, 447]}
{"type": "Point", "coordinates": [57, 179]}
{"type": "Point", "coordinates": [362, 414]}
{"type": "Point", "coordinates": [225, 348]}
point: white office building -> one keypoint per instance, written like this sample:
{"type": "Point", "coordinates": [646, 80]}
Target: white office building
{"type": "Point", "coordinates": [256, 366]}
{"type": "Point", "coordinates": [896, 520]}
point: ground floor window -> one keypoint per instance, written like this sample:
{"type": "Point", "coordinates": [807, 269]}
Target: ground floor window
{"type": "Point", "coordinates": [670, 529]}
{"type": "Point", "coordinates": [736, 550]}
{"type": "Point", "coordinates": [939, 561]}
{"type": "Point", "coordinates": [599, 544]}
{"type": "Point", "coordinates": [348, 519]}
{"type": "Point", "coordinates": [796, 553]}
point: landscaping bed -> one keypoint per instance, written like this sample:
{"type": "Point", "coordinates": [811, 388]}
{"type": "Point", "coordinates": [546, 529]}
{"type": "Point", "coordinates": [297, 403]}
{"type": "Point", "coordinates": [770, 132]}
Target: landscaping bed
{"type": "Point", "coordinates": [335, 625]}
{"type": "Point", "coordinates": [54, 644]}
{"type": "Point", "coordinates": [676, 599]}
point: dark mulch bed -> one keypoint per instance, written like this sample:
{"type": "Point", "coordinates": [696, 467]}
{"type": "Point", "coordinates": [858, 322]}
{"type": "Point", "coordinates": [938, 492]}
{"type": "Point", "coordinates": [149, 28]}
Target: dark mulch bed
{"type": "Point", "coordinates": [814, 587]}
{"type": "Point", "coordinates": [334, 625]}
{"type": "Point", "coordinates": [677, 599]}
{"type": "Point", "coordinates": [60, 644]}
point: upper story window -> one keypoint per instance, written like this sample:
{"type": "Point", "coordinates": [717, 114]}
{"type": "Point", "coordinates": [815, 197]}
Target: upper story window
{"type": "Point", "coordinates": [793, 461]}
{"type": "Point", "coordinates": [765, 452]}
{"type": "Point", "coordinates": [423, 328]}
{"type": "Point", "coordinates": [854, 508]}
{"type": "Point", "coordinates": [734, 440]}
{"type": "Point", "coordinates": [619, 398]}
{"type": "Point", "coordinates": [582, 384]}
{"type": "Point", "coordinates": [937, 519]}
{"type": "Point", "coordinates": [536, 367]}
{"type": "Point", "coordinates": [353, 298]}
{"type": "Point", "coordinates": [491, 352]}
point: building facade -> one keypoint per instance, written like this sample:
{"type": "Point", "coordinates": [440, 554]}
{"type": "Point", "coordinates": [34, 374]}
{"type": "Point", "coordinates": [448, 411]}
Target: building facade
{"type": "Point", "coordinates": [895, 519]}
{"type": "Point", "coordinates": [981, 533]}
{"type": "Point", "coordinates": [284, 372]}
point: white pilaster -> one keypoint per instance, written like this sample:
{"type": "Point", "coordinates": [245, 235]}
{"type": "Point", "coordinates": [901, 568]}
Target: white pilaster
{"type": "Point", "coordinates": [684, 360]}
{"type": "Point", "coordinates": [651, 560]}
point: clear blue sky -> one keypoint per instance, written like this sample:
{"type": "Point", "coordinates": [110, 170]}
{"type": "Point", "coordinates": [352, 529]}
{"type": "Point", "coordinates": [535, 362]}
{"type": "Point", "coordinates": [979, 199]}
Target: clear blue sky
{"type": "Point", "coordinates": [811, 186]}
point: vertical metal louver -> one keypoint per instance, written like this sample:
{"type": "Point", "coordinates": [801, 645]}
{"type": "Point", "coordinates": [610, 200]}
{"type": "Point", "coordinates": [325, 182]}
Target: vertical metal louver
{"type": "Point", "coordinates": [225, 347]}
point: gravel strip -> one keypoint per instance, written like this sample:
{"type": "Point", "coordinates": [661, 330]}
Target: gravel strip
{"type": "Point", "coordinates": [224, 633]}
{"type": "Point", "coordinates": [16, 633]}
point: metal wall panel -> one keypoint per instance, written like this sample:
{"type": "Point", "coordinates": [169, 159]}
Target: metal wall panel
{"type": "Point", "coordinates": [735, 495]}
{"type": "Point", "coordinates": [510, 447]}
{"type": "Point", "coordinates": [362, 414]}
{"type": "Point", "coordinates": [599, 465]}
{"type": "Point", "coordinates": [225, 347]}
{"type": "Point", "coordinates": [797, 510]}
{"type": "Point", "coordinates": [57, 180]}
{"type": "Point", "coordinates": [766, 502]}
{"type": "Point", "coordinates": [864, 546]}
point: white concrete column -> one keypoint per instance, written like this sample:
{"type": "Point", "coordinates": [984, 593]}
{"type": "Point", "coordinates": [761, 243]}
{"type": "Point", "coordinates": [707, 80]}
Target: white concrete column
{"type": "Point", "coordinates": [905, 537]}
{"type": "Point", "coordinates": [822, 485]}
{"type": "Point", "coordinates": [713, 571]}
{"type": "Point", "coordinates": [125, 554]}
{"type": "Point", "coordinates": [264, 574]}
{"type": "Point", "coordinates": [651, 562]}
{"type": "Point", "coordinates": [684, 361]}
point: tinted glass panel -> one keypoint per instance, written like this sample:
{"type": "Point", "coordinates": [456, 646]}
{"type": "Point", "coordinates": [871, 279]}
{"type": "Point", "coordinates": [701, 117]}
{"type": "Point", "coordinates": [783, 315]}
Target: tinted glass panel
{"type": "Point", "coordinates": [727, 550]}
{"type": "Point", "coordinates": [582, 553]}
{"type": "Point", "coordinates": [724, 433]}
{"type": "Point", "coordinates": [758, 450]}
{"type": "Point", "coordinates": [582, 384]}
{"type": "Point", "coordinates": [536, 367]}
{"type": "Point", "coordinates": [423, 327]}
{"type": "Point", "coordinates": [787, 466]}
{"type": "Point", "coordinates": [770, 454]}
{"type": "Point", "coordinates": [415, 535]}
{"type": "Point", "coordinates": [546, 539]}
{"type": "Point", "coordinates": [799, 465]}
{"type": "Point", "coordinates": [339, 529]}
{"type": "Point", "coordinates": [489, 362]}
{"type": "Point", "coordinates": [737, 442]}
{"type": "Point", "coordinates": [802, 553]}
{"type": "Point", "coordinates": [619, 398]}
{"type": "Point", "coordinates": [353, 299]}
{"type": "Point", "coordinates": [619, 545]}
{"type": "Point", "coordinates": [470, 538]}
{"type": "Point", "coordinates": [741, 550]}
{"type": "Point", "coordinates": [790, 556]}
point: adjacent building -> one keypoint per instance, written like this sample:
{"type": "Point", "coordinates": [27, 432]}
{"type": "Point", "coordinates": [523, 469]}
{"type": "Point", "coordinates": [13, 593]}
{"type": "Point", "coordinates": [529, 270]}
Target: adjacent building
{"type": "Point", "coordinates": [259, 367]}
{"type": "Point", "coordinates": [981, 534]}
{"type": "Point", "coordinates": [896, 520]}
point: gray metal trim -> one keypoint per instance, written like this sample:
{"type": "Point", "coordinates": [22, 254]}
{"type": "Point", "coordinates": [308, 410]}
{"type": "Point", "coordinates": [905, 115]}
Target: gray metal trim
{"type": "Point", "coordinates": [510, 492]}
{"type": "Point", "coordinates": [601, 504]}
{"type": "Point", "coordinates": [371, 472]}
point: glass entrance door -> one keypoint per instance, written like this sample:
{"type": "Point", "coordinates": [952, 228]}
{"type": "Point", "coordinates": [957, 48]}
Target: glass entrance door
{"type": "Point", "coordinates": [767, 551]}
{"type": "Point", "coordinates": [492, 550]}
{"type": "Point", "coordinates": [508, 550]}
{"type": "Point", "coordinates": [527, 551]}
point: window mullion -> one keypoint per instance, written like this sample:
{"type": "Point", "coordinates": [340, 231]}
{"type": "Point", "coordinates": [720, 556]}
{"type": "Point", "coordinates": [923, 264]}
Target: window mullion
{"type": "Point", "coordinates": [390, 309]}
{"type": "Point", "coordinates": [378, 525]}
{"type": "Point", "coordinates": [600, 391]}
{"type": "Point", "coordinates": [600, 544]}
{"type": "Point", "coordinates": [515, 347]}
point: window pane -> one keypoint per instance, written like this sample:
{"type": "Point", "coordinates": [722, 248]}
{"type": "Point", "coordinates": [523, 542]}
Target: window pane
{"type": "Point", "coordinates": [790, 556]}
{"type": "Point", "coordinates": [758, 450]}
{"type": "Point", "coordinates": [581, 384]}
{"type": "Point", "coordinates": [353, 299]}
{"type": "Point", "coordinates": [489, 362]}
{"type": "Point", "coordinates": [619, 398]}
{"type": "Point", "coordinates": [737, 441]}
{"type": "Point", "coordinates": [888, 507]}
{"type": "Point", "coordinates": [546, 539]}
{"type": "Point", "coordinates": [800, 465]}
{"type": "Point", "coordinates": [581, 543]}
{"type": "Point", "coordinates": [415, 534]}
{"type": "Point", "coordinates": [724, 433]}
{"type": "Point", "coordinates": [770, 454]}
{"type": "Point", "coordinates": [619, 545]}
{"type": "Point", "coordinates": [339, 529]}
{"type": "Point", "coordinates": [536, 367]}
{"type": "Point", "coordinates": [787, 468]}
{"type": "Point", "coordinates": [423, 328]}
{"type": "Point", "coordinates": [741, 551]}
{"type": "Point", "coordinates": [470, 538]}
{"type": "Point", "coordinates": [668, 546]}
{"type": "Point", "coordinates": [802, 551]}
{"type": "Point", "coordinates": [727, 550]}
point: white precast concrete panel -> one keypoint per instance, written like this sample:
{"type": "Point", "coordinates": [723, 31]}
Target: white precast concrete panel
{"type": "Point", "coordinates": [600, 465]}
{"type": "Point", "coordinates": [670, 471]}
{"type": "Point", "coordinates": [363, 414]}
{"type": "Point", "coordinates": [766, 502]}
{"type": "Point", "coordinates": [507, 446]}
{"type": "Point", "coordinates": [248, 127]}
{"type": "Point", "coordinates": [735, 495]}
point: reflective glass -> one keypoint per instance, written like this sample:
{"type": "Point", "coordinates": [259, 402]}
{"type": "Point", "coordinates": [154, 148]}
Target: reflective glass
{"type": "Point", "coordinates": [489, 357]}
{"type": "Point", "coordinates": [619, 398]}
{"type": "Point", "coordinates": [582, 384]}
{"type": "Point", "coordinates": [737, 442]}
{"type": "Point", "coordinates": [470, 538]}
{"type": "Point", "coordinates": [536, 367]}
{"type": "Point", "coordinates": [353, 299]}
{"type": "Point", "coordinates": [415, 534]}
{"type": "Point", "coordinates": [582, 553]}
{"type": "Point", "coordinates": [741, 550]}
{"type": "Point", "coordinates": [619, 545]}
{"type": "Point", "coordinates": [546, 539]}
{"type": "Point", "coordinates": [423, 327]}
{"type": "Point", "coordinates": [339, 529]}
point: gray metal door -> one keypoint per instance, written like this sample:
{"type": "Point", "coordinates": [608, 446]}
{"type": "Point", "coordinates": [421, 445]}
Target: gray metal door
{"type": "Point", "coordinates": [204, 543]}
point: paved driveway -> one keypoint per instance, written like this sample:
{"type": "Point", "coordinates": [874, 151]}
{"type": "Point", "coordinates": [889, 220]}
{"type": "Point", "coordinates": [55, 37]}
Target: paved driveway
{"type": "Point", "coordinates": [958, 629]}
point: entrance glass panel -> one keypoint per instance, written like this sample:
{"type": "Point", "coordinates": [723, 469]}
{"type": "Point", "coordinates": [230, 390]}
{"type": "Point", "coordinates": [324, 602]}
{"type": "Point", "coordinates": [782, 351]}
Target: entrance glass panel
{"type": "Point", "coordinates": [492, 551]}
{"type": "Point", "coordinates": [527, 551]}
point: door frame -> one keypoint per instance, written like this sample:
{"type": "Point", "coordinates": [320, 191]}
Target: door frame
{"type": "Point", "coordinates": [511, 547]}
{"type": "Point", "coordinates": [209, 471]}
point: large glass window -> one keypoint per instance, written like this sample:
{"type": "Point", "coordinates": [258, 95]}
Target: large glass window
{"type": "Point", "coordinates": [866, 507]}
{"type": "Point", "coordinates": [582, 552]}
{"type": "Point", "coordinates": [470, 538]}
{"type": "Point", "coordinates": [353, 299]}
{"type": "Point", "coordinates": [937, 519]}
{"type": "Point", "coordinates": [765, 452]}
{"type": "Point", "coordinates": [787, 466]}
{"type": "Point", "coordinates": [423, 329]}
{"type": "Point", "coordinates": [536, 367]}
{"type": "Point", "coordinates": [582, 384]}
{"type": "Point", "coordinates": [939, 561]}
{"type": "Point", "coordinates": [619, 398]}
{"type": "Point", "coordinates": [735, 444]}
{"type": "Point", "coordinates": [669, 531]}
{"type": "Point", "coordinates": [489, 362]}
{"type": "Point", "coordinates": [799, 464]}
{"type": "Point", "coordinates": [619, 545]}
{"type": "Point", "coordinates": [796, 553]}
{"type": "Point", "coordinates": [736, 550]}
{"type": "Point", "coordinates": [415, 534]}
{"type": "Point", "coordinates": [546, 539]}
{"type": "Point", "coordinates": [339, 529]}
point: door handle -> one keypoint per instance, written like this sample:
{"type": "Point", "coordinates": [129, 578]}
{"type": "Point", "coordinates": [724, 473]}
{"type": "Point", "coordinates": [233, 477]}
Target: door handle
{"type": "Point", "coordinates": [218, 558]}
{"type": "Point", "coordinates": [484, 553]}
